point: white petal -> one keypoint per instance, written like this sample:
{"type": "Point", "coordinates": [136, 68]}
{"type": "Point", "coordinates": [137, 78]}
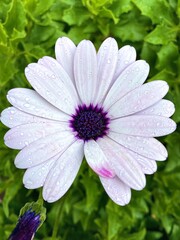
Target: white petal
{"type": "Point", "coordinates": [126, 56]}
{"type": "Point", "coordinates": [65, 50]}
{"type": "Point", "coordinates": [31, 102]}
{"type": "Point", "coordinates": [107, 60]}
{"type": "Point", "coordinates": [147, 147]}
{"type": "Point", "coordinates": [85, 71]}
{"type": "Point", "coordinates": [118, 191]}
{"type": "Point", "coordinates": [148, 166]}
{"type": "Point", "coordinates": [63, 172]}
{"type": "Point", "coordinates": [35, 177]}
{"type": "Point", "coordinates": [164, 108]}
{"type": "Point", "coordinates": [141, 125]}
{"type": "Point", "coordinates": [43, 149]}
{"type": "Point", "coordinates": [58, 90]}
{"type": "Point", "coordinates": [12, 117]}
{"type": "Point", "coordinates": [21, 136]}
{"type": "Point", "coordinates": [53, 65]}
{"type": "Point", "coordinates": [124, 165]}
{"type": "Point", "coordinates": [132, 77]}
{"type": "Point", "coordinates": [97, 160]}
{"type": "Point", "coordinates": [139, 99]}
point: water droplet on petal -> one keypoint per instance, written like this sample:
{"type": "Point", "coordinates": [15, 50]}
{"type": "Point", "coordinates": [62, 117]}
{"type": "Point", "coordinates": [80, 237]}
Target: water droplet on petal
{"type": "Point", "coordinates": [27, 105]}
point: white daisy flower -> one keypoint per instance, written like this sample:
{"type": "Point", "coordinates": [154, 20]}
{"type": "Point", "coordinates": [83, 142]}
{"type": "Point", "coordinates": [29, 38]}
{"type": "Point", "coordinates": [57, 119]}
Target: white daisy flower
{"type": "Point", "coordinates": [92, 104]}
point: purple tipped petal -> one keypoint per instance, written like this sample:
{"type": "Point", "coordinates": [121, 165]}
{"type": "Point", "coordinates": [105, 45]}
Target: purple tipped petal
{"type": "Point", "coordinates": [123, 164]}
{"type": "Point", "coordinates": [118, 191]}
{"type": "Point", "coordinates": [97, 160]}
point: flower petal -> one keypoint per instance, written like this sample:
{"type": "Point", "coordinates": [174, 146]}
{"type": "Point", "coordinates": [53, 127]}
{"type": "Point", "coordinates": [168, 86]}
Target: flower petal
{"type": "Point", "coordinates": [85, 71]}
{"type": "Point", "coordinates": [124, 165]}
{"type": "Point", "coordinates": [58, 90]}
{"type": "Point", "coordinates": [126, 56]}
{"type": "Point", "coordinates": [139, 99]}
{"type": "Point", "coordinates": [118, 191]}
{"type": "Point", "coordinates": [132, 77]}
{"type": "Point", "coordinates": [97, 160]}
{"type": "Point", "coordinates": [148, 166]}
{"type": "Point", "coordinates": [142, 125]}
{"type": "Point", "coordinates": [164, 108]}
{"type": "Point", "coordinates": [147, 147]}
{"type": "Point", "coordinates": [21, 136]}
{"type": "Point", "coordinates": [63, 172]}
{"type": "Point", "coordinates": [65, 50]}
{"type": "Point", "coordinates": [35, 177]}
{"type": "Point", "coordinates": [107, 61]}
{"type": "Point", "coordinates": [12, 117]}
{"type": "Point", "coordinates": [43, 149]}
{"type": "Point", "coordinates": [31, 102]}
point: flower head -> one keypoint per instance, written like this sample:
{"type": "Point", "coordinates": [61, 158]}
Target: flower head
{"type": "Point", "coordinates": [92, 104]}
{"type": "Point", "coordinates": [32, 215]}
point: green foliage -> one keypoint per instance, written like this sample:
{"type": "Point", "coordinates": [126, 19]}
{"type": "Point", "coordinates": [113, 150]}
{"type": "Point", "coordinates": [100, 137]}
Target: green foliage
{"type": "Point", "coordinates": [28, 31]}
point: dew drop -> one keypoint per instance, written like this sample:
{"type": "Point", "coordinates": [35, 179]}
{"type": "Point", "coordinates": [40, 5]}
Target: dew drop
{"type": "Point", "coordinates": [109, 61]}
{"type": "Point", "coordinates": [27, 105]}
{"type": "Point", "coordinates": [28, 183]}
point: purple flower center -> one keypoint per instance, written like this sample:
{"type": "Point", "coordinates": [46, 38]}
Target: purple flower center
{"type": "Point", "coordinates": [89, 122]}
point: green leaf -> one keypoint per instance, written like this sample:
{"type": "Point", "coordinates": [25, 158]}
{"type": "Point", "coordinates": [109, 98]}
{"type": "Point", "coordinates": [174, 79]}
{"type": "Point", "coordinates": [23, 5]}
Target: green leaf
{"type": "Point", "coordinates": [16, 18]}
{"type": "Point", "coordinates": [7, 63]}
{"type": "Point", "coordinates": [173, 151]}
{"type": "Point", "coordinates": [122, 6]}
{"type": "Point", "coordinates": [157, 11]}
{"type": "Point", "coordinates": [75, 15]}
{"type": "Point", "coordinates": [162, 34]}
{"type": "Point", "coordinates": [3, 35]}
{"type": "Point", "coordinates": [11, 191]}
{"type": "Point", "coordinates": [167, 57]}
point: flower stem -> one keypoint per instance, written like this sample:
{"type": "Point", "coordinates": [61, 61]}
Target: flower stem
{"type": "Point", "coordinates": [58, 218]}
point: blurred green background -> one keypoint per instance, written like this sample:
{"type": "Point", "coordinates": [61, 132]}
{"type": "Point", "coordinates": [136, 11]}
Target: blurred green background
{"type": "Point", "coordinates": [28, 31]}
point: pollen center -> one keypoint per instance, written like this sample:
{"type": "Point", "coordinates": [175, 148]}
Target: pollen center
{"type": "Point", "coordinates": [90, 122]}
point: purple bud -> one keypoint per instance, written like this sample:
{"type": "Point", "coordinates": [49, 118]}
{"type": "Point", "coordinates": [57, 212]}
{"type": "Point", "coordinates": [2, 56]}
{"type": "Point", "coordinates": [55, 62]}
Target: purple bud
{"type": "Point", "coordinates": [26, 226]}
